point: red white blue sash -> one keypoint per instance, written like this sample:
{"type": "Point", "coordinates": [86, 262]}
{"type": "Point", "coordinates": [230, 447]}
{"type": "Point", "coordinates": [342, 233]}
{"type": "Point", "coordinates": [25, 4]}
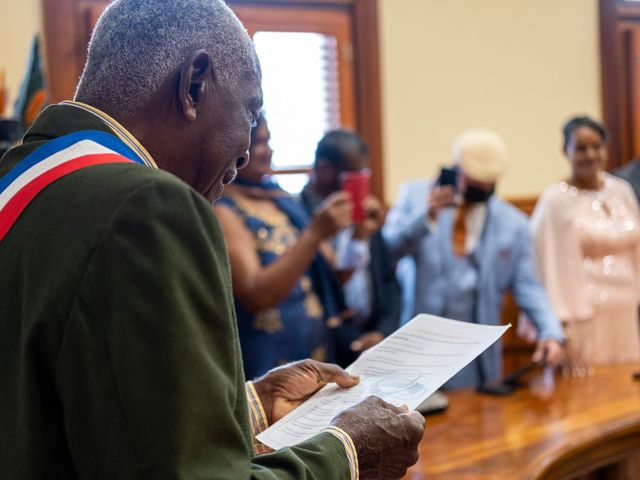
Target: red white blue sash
{"type": "Point", "coordinates": [54, 160]}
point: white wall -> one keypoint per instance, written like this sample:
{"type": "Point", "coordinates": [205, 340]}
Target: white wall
{"type": "Point", "coordinates": [520, 67]}
{"type": "Point", "coordinates": [21, 20]}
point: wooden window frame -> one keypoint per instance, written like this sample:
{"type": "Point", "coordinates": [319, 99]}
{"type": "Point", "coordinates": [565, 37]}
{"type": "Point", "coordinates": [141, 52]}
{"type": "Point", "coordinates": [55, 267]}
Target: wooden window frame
{"type": "Point", "coordinates": [336, 23]}
{"type": "Point", "coordinates": [368, 109]}
{"type": "Point", "coordinates": [70, 16]}
{"type": "Point", "coordinates": [617, 93]}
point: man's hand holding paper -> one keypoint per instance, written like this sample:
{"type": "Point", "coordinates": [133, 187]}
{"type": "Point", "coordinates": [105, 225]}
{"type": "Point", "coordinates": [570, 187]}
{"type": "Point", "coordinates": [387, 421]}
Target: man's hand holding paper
{"type": "Point", "coordinates": [405, 368]}
{"type": "Point", "coordinates": [385, 437]}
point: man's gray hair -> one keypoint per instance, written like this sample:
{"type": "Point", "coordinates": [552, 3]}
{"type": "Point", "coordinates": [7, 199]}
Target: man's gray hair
{"type": "Point", "coordinates": [137, 43]}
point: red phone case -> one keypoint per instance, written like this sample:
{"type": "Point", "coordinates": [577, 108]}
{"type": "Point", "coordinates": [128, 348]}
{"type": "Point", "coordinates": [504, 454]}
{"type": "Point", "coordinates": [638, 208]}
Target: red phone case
{"type": "Point", "coordinates": [357, 183]}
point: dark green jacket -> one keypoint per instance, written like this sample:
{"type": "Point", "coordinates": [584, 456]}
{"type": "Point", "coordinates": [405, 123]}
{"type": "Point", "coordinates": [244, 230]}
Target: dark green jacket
{"type": "Point", "coordinates": [119, 353]}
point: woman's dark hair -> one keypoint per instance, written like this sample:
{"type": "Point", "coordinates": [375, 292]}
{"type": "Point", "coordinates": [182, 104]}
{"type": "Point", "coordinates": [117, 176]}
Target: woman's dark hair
{"type": "Point", "coordinates": [584, 121]}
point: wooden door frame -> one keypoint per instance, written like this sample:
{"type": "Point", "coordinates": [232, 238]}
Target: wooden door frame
{"type": "Point", "coordinates": [63, 50]}
{"type": "Point", "coordinates": [368, 109]}
{"type": "Point", "coordinates": [333, 23]}
{"type": "Point", "coordinates": [614, 17]}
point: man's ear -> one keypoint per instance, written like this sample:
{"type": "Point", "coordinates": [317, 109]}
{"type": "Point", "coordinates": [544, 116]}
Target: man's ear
{"type": "Point", "coordinates": [194, 74]}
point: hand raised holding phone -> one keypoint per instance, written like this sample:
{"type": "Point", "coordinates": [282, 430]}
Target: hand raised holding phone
{"type": "Point", "coordinates": [332, 215]}
{"type": "Point", "coordinates": [448, 177]}
{"type": "Point", "coordinates": [374, 215]}
{"type": "Point", "coordinates": [443, 193]}
{"type": "Point", "coordinates": [368, 211]}
{"type": "Point", "coordinates": [356, 183]}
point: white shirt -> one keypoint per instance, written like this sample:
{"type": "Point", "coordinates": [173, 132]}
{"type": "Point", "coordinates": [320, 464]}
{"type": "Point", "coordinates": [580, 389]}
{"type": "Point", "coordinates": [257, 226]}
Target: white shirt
{"type": "Point", "coordinates": [352, 254]}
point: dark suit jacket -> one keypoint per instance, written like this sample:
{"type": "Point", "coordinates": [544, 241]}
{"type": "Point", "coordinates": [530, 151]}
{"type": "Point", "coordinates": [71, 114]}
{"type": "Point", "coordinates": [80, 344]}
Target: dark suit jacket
{"type": "Point", "coordinates": [631, 173]}
{"type": "Point", "coordinates": [119, 352]}
{"type": "Point", "coordinates": [386, 294]}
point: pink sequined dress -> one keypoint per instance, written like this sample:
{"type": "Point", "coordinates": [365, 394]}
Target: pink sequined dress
{"type": "Point", "coordinates": [587, 246]}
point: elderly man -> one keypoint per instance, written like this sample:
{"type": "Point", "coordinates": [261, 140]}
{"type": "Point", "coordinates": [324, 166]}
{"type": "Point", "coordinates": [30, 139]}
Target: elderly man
{"type": "Point", "coordinates": [118, 342]}
{"type": "Point", "coordinates": [469, 247]}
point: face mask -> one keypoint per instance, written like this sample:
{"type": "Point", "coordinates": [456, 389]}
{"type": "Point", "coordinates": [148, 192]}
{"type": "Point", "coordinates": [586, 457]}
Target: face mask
{"type": "Point", "coordinates": [476, 195]}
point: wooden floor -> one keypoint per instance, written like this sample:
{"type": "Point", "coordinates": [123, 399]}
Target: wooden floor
{"type": "Point", "coordinates": [539, 432]}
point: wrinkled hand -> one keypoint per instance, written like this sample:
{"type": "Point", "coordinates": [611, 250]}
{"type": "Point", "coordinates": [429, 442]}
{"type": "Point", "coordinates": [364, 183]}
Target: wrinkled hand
{"type": "Point", "coordinates": [555, 352]}
{"type": "Point", "coordinates": [439, 198]}
{"type": "Point", "coordinates": [366, 341]}
{"type": "Point", "coordinates": [373, 218]}
{"type": "Point", "coordinates": [283, 389]}
{"type": "Point", "coordinates": [332, 215]}
{"type": "Point", "coordinates": [386, 437]}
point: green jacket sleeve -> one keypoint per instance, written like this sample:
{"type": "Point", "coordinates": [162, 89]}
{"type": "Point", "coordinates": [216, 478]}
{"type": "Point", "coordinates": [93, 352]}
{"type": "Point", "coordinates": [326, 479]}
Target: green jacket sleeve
{"type": "Point", "coordinates": [149, 371]}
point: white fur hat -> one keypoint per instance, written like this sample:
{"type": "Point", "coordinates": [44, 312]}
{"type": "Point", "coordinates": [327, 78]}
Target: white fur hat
{"type": "Point", "coordinates": [481, 154]}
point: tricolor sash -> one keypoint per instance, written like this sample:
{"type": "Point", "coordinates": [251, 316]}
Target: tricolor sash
{"type": "Point", "coordinates": [54, 160]}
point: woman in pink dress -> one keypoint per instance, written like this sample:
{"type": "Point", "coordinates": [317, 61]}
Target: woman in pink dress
{"type": "Point", "coordinates": [586, 233]}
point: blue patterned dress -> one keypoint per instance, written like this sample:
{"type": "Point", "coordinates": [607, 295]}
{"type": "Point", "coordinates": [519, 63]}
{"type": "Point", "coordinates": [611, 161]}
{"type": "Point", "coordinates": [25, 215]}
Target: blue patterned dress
{"type": "Point", "coordinates": [292, 330]}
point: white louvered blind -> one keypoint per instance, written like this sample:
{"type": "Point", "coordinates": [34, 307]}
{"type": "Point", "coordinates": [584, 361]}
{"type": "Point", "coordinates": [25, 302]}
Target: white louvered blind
{"type": "Point", "coordinates": [301, 97]}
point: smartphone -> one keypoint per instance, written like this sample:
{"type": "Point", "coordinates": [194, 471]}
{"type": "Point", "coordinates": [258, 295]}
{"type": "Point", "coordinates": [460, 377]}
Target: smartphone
{"type": "Point", "coordinates": [448, 176]}
{"type": "Point", "coordinates": [357, 184]}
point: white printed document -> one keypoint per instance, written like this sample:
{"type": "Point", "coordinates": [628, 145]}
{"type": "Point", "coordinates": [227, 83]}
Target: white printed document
{"type": "Point", "coordinates": [405, 368]}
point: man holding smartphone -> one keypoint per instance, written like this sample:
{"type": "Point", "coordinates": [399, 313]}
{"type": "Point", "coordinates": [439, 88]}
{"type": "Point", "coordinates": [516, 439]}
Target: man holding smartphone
{"type": "Point", "coordinates": [469, 247]}
{"type": "Point", "coordinates": [362, 259]}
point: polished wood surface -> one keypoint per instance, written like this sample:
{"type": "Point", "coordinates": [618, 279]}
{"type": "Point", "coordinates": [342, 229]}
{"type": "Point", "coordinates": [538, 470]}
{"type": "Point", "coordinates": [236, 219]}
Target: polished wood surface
{"type": "Point", "coordinates": [536, 433]}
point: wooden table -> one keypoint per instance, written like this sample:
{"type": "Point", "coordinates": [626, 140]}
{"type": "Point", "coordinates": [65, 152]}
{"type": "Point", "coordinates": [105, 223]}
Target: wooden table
{"type": "Point", "coordinates": [534, 434]}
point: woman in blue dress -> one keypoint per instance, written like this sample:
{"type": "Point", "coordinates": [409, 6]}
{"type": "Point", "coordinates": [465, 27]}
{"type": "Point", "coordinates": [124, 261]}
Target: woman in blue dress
{"type": "Point", "coordinates": [284, 290]}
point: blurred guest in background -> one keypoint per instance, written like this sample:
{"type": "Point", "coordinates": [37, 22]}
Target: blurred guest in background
{"type": "Point", "coordinates": [284, 288]}
{"type": "Point", "coordinates": [371, 290]}
{"type": "Point", "coordinates": [470, 247]}
{"type": "Point", "coordinates": [587, 244]}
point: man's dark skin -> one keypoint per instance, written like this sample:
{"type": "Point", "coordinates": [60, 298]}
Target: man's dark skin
{"type": "Point", "coordinates": [199, 130]}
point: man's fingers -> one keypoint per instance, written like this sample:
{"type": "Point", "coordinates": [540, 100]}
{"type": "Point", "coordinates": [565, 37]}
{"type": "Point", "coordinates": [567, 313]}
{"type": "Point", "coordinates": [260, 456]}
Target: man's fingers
{"type": "Point", "coordinates": [537, 355]}
{"type": "Point", "coordinates": [369, 202]}
{"type": "Point", "coordinates": [418, 423]}
{"type": "Point", "coordinates": [554, 353]}
{"type": "Point", "coordinates": [366, 341]}
{"type": "Point", "coordinates": [554, 357]}
{"type": "Point", "coordinates": [372, 205]}
{"type": "Point", "coordinates": [417, 417]}
{"type": "Point", "coordinates": [345, 380]}
{"type": "Point", "coordinates": [328, 373]}
{"type": "Point", "coordinates": [402, 409]}
{"type": "Point", "coordinates": [339, 196]}
{"type": "Point", "coordinates": [334, 322]}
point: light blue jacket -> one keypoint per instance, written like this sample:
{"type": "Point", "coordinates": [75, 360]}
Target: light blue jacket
{"type": "Point", "coordinates": [503, 256]}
